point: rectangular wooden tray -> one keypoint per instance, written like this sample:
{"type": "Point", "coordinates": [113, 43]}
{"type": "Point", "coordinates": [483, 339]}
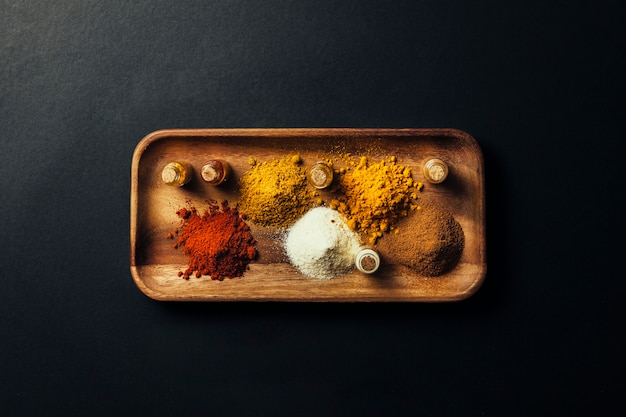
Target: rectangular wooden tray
{"type": "Point", "coordinates": [154, 263]}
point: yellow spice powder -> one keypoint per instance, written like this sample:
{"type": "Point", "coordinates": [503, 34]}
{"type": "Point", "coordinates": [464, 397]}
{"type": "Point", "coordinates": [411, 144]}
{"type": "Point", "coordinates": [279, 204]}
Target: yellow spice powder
{"type": "Point", "coordinates": [375, 195]}
{"type": "Point", "coordinates": [275, 192]}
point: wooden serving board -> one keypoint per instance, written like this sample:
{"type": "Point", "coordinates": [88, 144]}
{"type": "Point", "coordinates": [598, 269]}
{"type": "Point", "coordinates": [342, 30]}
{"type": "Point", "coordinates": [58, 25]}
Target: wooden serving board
{"type": "Point", "coordinates": [154, 263]}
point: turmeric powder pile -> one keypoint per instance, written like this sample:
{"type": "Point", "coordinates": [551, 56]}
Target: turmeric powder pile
{"type": "Point", "coordinates": [275, 192]}
{"type": "Point", "coordinates": [375, 195]}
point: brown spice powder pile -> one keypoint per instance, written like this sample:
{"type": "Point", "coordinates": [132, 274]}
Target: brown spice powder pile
{"type": "Point", "coordinates": [429, 240]}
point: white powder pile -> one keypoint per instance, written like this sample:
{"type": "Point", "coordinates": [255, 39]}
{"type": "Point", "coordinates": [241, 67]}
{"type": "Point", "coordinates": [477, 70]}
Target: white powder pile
{"type": "Point", "coordinates": [321, 245]}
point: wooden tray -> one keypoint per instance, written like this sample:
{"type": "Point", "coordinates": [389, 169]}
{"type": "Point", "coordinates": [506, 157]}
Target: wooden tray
{"type": "Point", "coordinates": [154, 263]}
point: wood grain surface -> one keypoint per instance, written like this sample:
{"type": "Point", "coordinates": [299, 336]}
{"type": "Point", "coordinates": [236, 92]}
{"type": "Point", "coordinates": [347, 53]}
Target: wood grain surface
{"type": "Point", "coordinates": [154, 263]}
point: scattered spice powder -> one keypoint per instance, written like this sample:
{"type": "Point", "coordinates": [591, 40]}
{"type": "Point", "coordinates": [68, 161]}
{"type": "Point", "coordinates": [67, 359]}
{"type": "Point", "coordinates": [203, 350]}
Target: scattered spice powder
{"type": "Point", "coordinates": [430, 241]}
{"type": "Point", "coordinates": [217, 242]}
{"type": "Point", "coordinates": [275, 192]}
{"type": "Point", "coordinates": [375, 195]}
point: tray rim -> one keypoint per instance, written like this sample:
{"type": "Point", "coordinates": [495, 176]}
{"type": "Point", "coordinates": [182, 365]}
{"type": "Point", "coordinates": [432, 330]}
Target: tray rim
{"type": "Point", "coordinates": [160, 134]}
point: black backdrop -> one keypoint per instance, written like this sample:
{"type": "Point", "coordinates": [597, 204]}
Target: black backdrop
{"type": "Point", "coordinates": [539, 84]}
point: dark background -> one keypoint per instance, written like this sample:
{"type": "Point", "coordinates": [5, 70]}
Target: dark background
{"type": "Point", "coordinates": [539, 84]}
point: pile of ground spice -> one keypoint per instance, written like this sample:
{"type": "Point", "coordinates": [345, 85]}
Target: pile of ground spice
{"type": "Point", "coordinates": [218, 242]}
{"type": "Point", "coordinates": [275, 192]}
{"type": "Point", "coordinates": [321, 245]}
{"type": "Point", "coordinates": [375, 195]}
{"type": "Point", "coordinates": [429, 240]}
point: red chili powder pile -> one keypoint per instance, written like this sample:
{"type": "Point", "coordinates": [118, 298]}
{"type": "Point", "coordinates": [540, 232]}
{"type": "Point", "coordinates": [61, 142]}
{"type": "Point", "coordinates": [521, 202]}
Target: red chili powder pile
{"type": "Point", "coordinates": [218, 242]}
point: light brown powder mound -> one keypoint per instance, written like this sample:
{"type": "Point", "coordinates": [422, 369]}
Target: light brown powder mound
{"type": "Point", "coordinates": [429, 240]}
